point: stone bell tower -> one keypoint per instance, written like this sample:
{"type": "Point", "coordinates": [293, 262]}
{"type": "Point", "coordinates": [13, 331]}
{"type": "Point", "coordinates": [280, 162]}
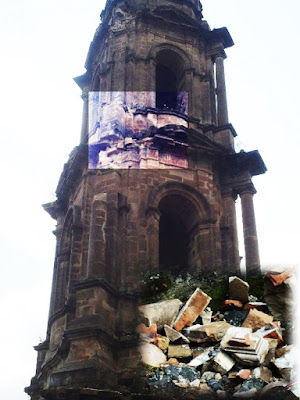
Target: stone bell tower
{"type": "Point", "coordinates": [151, 186]}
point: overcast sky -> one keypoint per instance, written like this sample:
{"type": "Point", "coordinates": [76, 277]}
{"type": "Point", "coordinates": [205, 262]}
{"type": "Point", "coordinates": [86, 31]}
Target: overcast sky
{"type": "Point", "coordinates": [43, 46]}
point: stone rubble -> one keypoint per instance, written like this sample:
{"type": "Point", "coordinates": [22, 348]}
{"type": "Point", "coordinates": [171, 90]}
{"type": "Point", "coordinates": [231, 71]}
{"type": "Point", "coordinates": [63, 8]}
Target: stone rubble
{"type": "Point", "coordinates": [192, 309]}
{"type": "Point", "coordinates": [241, 356]}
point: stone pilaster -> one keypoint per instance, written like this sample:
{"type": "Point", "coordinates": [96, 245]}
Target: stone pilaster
{"type": "Point", "coordinates": [97, 240]}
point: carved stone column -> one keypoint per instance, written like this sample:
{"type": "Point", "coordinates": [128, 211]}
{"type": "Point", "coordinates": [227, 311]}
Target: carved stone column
{"type": "Point", "coordinates": [153, 215]}
{"type": "Point", "coordinates": [221, 90]}
{"type": "Point", "coordinates": [246, 193]}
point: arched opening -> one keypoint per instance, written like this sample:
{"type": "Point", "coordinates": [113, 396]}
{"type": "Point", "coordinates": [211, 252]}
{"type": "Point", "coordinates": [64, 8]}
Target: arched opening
{"type": "Point", "coordinates": [178, 249]}
{"type": "Point", "coordinates": [166, 87]}
{"type": "Point", "coordinates": [172, 242]}
{"type": "Point", "coordinates": [169, 79]}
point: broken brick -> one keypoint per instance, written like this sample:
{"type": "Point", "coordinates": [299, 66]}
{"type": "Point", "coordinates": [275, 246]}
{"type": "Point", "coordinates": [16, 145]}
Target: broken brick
{"type": "Point", "coordinates": [244, 373]}
{"type": "Point", "coordinates": [192, 309]}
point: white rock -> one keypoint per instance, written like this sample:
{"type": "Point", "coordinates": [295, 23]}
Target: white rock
{"type": "Point", "coordinates": [151, 355]}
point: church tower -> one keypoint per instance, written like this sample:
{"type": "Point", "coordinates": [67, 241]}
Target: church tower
{"type": "Point", "coordinates": [151, 186]}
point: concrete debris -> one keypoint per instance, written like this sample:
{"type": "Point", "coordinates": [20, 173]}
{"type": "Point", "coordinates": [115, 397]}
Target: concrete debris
{"type": "Point", "coordinates": [151, 355]}
{"type": "Point", "coordinates": [179, 351]}
{"type": "Point", "coordinates": [271, 331]}
{"type": "Point", "coordinates": [162, 313]}
{"type": "Point", "coordinates": [236, 337]}
{"type": "Point", "coordinates": [257, 319]}
{"type": "Point", "coordinates": [206, 316]}
{"type": "Point", "coordinates": [207, 355]}
{"type": "Point", "coordinates": [255, 358]}
{"type": "Point", "coordinates": [238, 289]}
{"type": "Point", "coordinates": [222, 363]}
{"type": "Point", "coordinates": [192, 309]}
{"type": "Point", "coordinates": [244, 356]}
{"type": "Point", "coordinates": [212, 332]}
{"type": "Point", "coordinates": [174, 335]}
{"type": "Point", "coordinates": [248, 348]}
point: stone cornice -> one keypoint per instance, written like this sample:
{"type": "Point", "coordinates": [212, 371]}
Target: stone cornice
{"type": "Point", "coordinates": [247, 161]}
{"type": "Point", "coordinates": [95, 282]}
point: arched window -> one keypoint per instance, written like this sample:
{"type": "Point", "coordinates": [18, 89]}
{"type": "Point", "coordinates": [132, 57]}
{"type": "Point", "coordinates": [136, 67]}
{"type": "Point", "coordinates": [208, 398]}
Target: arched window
{"type": "Point", "coordinates": [169, 79]}
{"type": "Point", "coordinates": [178, 216]}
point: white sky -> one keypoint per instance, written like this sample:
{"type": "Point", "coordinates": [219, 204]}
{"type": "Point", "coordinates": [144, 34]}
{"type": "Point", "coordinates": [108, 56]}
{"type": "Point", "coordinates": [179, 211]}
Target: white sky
{"type": "Point", "coordinates": [43, 46]}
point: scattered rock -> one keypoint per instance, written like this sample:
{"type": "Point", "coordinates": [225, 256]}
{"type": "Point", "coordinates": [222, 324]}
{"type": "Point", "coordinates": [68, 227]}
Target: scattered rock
{"type": "Point", "coordinates": [161, 313]}
{"type": "Point", "coordinates": [238, 289]}
{"type": "Point", "coordinates": [162, 342]}
{"type": "Point", "coordinates": [263, 373]}
{"type": "Point", "coordinates": [257, 319]}
{"type": "Point", "coordinates": [208, 375]}
{"type": "Point", "coordinates": [286, 364]}
{"type": "Point", "coordinates": [222, 362]}
{"type": "Point", "coordinates": [249, 388]}
{"type": "Point", "coordinates": [207, 355]}
{"type": "Point", "coordinates": [235, 368]}
{"type": "Point", "coordinates": [244, 374]}
{"type": "Point", "coordinates": [179, 351]}
{"type": "Point", "coordinates": [174, 335]}
{"type": "Point", "coordinates": [151, 355]}
{"type": "Point", "coordinates": [192, 309]}
{"type": "Point", "coordinates": [173, 361]}
{"type": "Point", "coordinates": [271, 331]}
{"type": "Point", "coordinates": [212, 332]}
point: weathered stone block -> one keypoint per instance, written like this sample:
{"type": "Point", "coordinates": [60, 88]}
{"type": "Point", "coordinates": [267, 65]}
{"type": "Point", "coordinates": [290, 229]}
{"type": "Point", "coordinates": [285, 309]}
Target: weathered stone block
{"type": "Point", "coordinates": [257, 319]}
{"type": "Point", "coordinates": [192, 309]}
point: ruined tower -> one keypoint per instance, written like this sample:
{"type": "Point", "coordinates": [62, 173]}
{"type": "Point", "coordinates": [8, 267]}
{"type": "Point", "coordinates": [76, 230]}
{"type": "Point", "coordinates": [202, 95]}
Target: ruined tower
{"type": "Point", "coordinates": [151, 186]}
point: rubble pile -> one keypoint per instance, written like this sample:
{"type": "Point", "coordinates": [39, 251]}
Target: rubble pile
{"type": "Point", "coordinates": [239, 352]}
